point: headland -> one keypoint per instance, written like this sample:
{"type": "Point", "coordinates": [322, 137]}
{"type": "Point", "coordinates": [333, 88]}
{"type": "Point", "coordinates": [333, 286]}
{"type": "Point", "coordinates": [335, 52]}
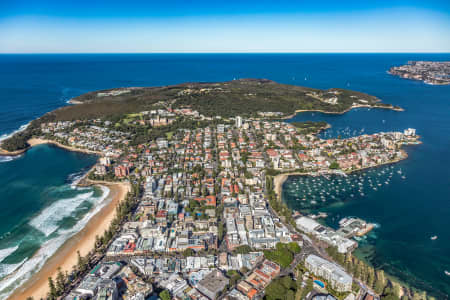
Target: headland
{"type": "Point", "coordinates": [246, 97]}
{"type": "Point", "coordinates": [430, 72]}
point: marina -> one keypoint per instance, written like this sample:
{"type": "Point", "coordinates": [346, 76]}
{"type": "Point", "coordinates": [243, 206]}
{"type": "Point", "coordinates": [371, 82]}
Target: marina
{"type": "Point", "coordinates": [312, 193]}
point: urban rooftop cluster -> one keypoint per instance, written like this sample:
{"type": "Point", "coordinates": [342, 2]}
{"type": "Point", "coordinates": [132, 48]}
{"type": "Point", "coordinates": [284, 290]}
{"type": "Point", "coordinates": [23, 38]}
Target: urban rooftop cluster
{"type": "Point", "coordinates": [430, 72]}
{"type": "Point", "coordinates": [203, 227]}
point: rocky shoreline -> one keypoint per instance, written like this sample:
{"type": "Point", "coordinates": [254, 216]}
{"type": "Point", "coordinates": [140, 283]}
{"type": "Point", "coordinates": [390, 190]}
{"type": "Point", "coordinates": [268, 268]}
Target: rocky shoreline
{"type": "Point", "coordinates": [341, 112]}
{"type": "Point", "coordinates": [38, 141]}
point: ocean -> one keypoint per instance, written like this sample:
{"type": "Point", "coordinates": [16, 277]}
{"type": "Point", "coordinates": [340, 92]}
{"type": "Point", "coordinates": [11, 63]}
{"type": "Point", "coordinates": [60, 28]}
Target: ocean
{"type": "Point", "coordinates": [40, 208]}
{"type": "Point", "coordinates": [408, 210]}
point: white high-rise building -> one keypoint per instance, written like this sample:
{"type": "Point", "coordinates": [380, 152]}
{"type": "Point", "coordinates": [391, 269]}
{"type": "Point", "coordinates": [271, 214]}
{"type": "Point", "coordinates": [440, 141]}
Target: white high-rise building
{"type": "Point", "coordinates": [335, 274]}
{"type": "Point", "coordinates": [409, 132]}
{"type": "Point", "coordinates": [220, 128]}
{"type": "Point", "coordinates": [238, 121]}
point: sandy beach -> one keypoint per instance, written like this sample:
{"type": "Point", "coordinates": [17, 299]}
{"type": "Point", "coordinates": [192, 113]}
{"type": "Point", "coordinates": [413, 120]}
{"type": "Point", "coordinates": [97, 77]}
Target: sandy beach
{"type": "Point", "coordinates": [83, 241]}
{"type": "Point", "coordinates": [278, 184]}
{"type": "Point", "coordinates": [278, 181]}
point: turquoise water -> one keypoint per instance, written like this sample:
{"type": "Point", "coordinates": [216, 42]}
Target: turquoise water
{"type": "Point", "coordinates": [40, 207]}
{"type": "Point", "coordinates": [409, 211]}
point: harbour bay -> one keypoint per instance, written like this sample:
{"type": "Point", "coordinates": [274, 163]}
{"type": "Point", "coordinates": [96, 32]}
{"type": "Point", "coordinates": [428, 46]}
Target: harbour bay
{"type": "Point", "coordinates": [408, 200]}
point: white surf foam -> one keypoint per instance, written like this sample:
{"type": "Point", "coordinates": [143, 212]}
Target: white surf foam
{"type": "Point", "coordinates": [6, 269]}
{"type": "Point", "coordinates": [75, 178]}
{"type": "Point", "coordinates": [47, 220]}
{"type": "Point", "coordinates": [8, 135]}
{"type": "Point", "coordinates": [8, 158]}
{"type": "Point", "coordinates": [98, 205]}
{"type": "Point", "coordinates": [22, 272]}
{"type": "Point", "coordinates": [4, 253]}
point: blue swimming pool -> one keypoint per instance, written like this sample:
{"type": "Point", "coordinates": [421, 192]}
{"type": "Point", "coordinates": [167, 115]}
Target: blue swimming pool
{"type": "Point", "coordinates": [319, 283]}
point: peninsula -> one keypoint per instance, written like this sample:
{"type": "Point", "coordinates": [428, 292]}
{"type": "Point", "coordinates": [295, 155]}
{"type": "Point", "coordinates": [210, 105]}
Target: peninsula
{"type": "Point", "coordinates": [430, 72]}
{"type": "Point", "coordinates": [256, 98]}
{"type": "Point", "coordinates": [201, 219]}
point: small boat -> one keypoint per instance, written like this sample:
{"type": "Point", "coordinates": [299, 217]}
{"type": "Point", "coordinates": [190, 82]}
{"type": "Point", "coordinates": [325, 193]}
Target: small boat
{"type": "Point", "coordinates": [447, 273]}
{"type": "Point", "coordinates": [434, 237]}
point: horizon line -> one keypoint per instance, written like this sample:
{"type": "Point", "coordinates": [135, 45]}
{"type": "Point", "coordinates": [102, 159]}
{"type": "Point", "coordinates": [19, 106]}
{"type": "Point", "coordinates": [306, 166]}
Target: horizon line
{"type": "Point", "coordinates": [232, 52]}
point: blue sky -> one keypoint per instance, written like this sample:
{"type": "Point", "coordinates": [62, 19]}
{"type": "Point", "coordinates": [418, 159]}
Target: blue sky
{"type": "Point", "coordinates": [224, 26]}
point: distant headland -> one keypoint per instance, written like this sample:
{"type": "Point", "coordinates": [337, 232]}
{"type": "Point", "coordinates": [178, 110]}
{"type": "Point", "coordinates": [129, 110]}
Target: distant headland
{"type": "Point", "coordinates": [430, 72]}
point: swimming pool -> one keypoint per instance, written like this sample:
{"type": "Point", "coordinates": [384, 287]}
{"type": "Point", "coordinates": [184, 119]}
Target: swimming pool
{"type": "Point", "coordinates": [319, 283]}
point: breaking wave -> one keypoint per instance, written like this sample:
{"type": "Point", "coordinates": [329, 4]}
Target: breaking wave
{"type": "Point", "coordinates": [47, 222]}
{"type": "Point", "coordinates": [8, 158]}
{"type": "Point", "coordinates": [4, 253]}
{"type": "Point", "coordinates": [8, 135]}
{"type": "Point", "coordinates": [6, 269]}
{"type": "Point", "coordinates": [74, 178]}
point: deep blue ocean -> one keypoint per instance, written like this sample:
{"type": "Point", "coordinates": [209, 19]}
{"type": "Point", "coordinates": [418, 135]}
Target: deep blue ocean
{"type": "Point", "coordinates": [408, 210]}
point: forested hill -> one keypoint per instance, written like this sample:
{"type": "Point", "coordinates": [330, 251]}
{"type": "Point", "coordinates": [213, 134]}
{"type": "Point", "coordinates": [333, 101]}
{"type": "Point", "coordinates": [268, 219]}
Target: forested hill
{"type": "Point", "coordinates": [245, 97]}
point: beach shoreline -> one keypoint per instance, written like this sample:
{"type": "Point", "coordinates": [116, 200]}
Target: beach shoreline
{"type": "Point", "coordinates": [83, 241]}
{"type": "Point", "coordinates": [278, 182]}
